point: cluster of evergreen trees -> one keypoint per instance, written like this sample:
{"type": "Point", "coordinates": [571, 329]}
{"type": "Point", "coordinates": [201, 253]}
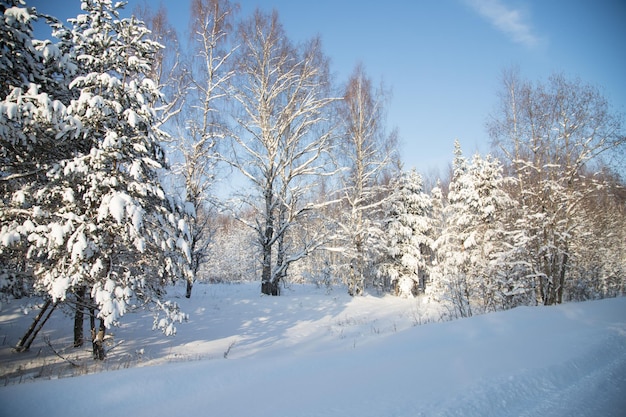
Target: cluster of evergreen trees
{"type": "Point", "coordinates": [87, 221]}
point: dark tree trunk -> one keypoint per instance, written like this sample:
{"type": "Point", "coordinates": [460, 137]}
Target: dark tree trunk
{"type": "Point", "coordinates": [266, 273]}
{"type": "Point", "coordinates": [189, 287]}
{"type": "Point", "coordinates": [270, 287]}
{"type": "Point", "coordinates": [20, 345]}
{"type": "Point", "coordinates": [79, 315]}
{"type": "Point", "coordinates": [267, 286]}
{"type": "Point", "coordinates": [97, 340]}
{"type": "Point", "coordinates": [97, 335]}
{"type": "Point", "coordinates": [92, 319]}
{"type": "Point", "coordinates": [562, 272]}
{"type": "Point", "coordinates": [35, 327]}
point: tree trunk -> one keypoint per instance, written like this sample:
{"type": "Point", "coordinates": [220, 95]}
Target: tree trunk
{"type": "Point", "coordinates": [97, 339]}
{"type": "Point", "coordinates": [189, 287]}
{"type": "Point", "coordinates": [356, 281]}
{"type": "Point", "coordinates": [79, 316]}
{"type": "Point", "coordinates": [97, 335]}
{"type": "Point", "coordinates": [466, 293]}
{"type": "Point", "coordinates": [267, 286]}
{"type": "Point", "coordinates": [271, 287]}
{"type": "Point", "coordinates": [20, 345]}
{"type": "Point", "coordinates": [562, 272]}
{"type": "Point", "coordinates": [38, 323]}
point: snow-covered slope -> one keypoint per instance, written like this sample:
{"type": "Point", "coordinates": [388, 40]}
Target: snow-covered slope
{"type": "Point", "coordinates": [308, 353]}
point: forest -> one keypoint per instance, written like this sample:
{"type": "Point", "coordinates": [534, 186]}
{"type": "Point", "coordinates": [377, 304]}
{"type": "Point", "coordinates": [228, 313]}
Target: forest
{"type": "Point", "coordinates": [132, 160]}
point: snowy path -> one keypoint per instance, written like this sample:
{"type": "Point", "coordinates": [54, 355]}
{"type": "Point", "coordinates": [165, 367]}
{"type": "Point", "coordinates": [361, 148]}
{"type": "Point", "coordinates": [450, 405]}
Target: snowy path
{"type": "Point", "coordinates": [309, 354]}
{"type": "Point", "coordinates": [591, 385]}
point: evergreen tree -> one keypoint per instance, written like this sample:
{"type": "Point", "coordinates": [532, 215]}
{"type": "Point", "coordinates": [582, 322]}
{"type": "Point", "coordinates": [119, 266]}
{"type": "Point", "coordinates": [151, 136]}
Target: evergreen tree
{"type": "Point", "coordinates": [490, 235]}
{"type": "Point", "coordinates": [450, 275]}
{"type": "Point", "coordinates": [98, 222]}
{"type": "Point", "coordinates": [472, 236]}
{"type": "Point", "coordinates": [33, 126]}
{"type": "Point", "coordinates": [408, 242]}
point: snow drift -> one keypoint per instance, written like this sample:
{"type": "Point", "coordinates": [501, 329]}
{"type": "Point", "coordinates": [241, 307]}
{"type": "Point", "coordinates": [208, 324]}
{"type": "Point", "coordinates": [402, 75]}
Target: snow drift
{"type": "Point", "coordinates": [312, 354]}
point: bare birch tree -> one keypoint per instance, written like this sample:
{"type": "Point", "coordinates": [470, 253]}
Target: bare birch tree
{"type": "Point", "coordinates": [168, 68]}
{"type": "Point", "coordinates": [203, 126]}
{"type": "Point", "coordinates": [195, 86]}
{"type": "Point", "coordinates": [366, 152]}
{"type": "Point", "coordinates": [281, 139]}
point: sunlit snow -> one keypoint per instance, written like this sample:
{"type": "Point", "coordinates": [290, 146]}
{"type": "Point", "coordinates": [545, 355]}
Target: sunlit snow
{"type": "Point", "coordinates": [313, 353]}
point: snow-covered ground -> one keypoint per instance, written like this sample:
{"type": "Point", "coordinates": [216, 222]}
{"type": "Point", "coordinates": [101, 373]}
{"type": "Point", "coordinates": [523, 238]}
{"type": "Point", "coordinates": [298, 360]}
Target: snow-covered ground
{"type": "Point", "coordinates": [309, 353]}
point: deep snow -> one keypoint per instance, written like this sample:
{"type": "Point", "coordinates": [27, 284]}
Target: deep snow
{"type": "Point", "coordinates": [308, 353]}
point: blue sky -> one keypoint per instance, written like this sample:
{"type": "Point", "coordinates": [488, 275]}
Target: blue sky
{"type": "Point", "coordinates": [443, 59]}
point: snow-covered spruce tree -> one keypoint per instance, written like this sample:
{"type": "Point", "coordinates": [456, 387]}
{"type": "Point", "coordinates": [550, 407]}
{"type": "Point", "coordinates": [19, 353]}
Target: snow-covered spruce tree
{"type": "Point", "coordinates": [489, 244]}
{"type": "Point", "coordinates": [140, 231]}
{"type": "Point", "coordinates": [449, 274]}
{"type": "Point", "coordinates": [472, 238]}
{"type": "Point", "coordinates": [33, 119]}
{"type": "Point", "coordinates": [101, 224]}
{"type": "Point", "coordinates": [407, 236]}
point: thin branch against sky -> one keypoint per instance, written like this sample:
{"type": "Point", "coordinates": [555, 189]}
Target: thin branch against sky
{"type": "Point", "coordinates": [443, 59]}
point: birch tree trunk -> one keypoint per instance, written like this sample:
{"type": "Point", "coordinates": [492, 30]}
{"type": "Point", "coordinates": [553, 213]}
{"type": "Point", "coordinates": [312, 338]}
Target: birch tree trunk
{"type": "Point", "coordinates": [282, 139]}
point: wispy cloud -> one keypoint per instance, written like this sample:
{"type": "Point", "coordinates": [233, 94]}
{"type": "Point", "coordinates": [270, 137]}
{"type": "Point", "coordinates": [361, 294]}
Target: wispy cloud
{"type": "Point", "coordinates": [507, 19]}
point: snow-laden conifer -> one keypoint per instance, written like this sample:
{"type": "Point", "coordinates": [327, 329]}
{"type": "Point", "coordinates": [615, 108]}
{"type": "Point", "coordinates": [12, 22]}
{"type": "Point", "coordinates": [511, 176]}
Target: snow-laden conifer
{"type": "Point", "coordinates": [93, 215]}
{"type": "Point", "coordinates": [472, 238]}
{"type": "Point", "coordinates": [407, 236]}
{"type": "Point", "coordinates": [35, 132]}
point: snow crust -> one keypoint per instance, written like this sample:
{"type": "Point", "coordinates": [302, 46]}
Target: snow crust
{"type": "Point", "coordinates": [308, 353]}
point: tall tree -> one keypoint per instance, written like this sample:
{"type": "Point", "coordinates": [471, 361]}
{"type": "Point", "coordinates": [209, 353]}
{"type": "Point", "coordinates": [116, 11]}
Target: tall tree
{"type": "Point", "coordinates": [366, 151]}
{"type": "Point", "coordinates": [101, 223]}
{"type": "Point", "coordinates": [35, 133]}
{"type": "Point", "coordinates": [212, 24]}
{"type": "Point", "coordinates": [472, 236]}
{"type": "Point", "coordinates": [407, 236]}
{"type": "Point", "coordinates": [195, 85]}
{"type": "Point", "coordinates": [451, 284]}
{"type": "Point", "coordinates": [490, 235]}
{"type": "Point", "coordinates": [281, 141]}
{"type": "Point", "coordinates": [554, 137]}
